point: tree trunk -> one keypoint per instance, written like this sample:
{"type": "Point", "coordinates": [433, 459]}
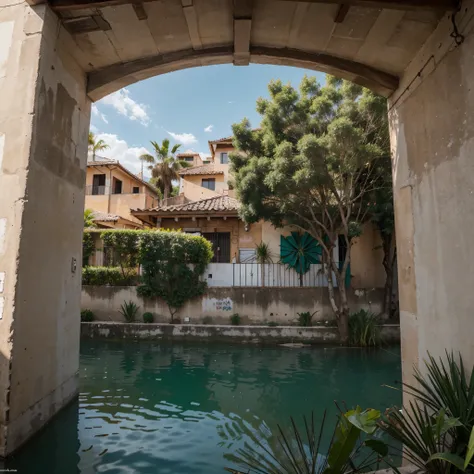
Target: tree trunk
{"type": "Point", "coordinates": [166, 192]}
{"type": "Point", "coordinates": [343, 322]}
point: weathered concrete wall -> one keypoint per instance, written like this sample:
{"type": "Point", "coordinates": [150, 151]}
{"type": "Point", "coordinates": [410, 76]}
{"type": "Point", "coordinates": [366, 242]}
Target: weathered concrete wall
{"type": "Point", "coordinates": [254, 305]}
{"type": "Point", "coordinates": [366, 259]}
{"type": "Point", "coordinates": [44, 120]}
{"type": "Point", "coordinates": [432, 132]}
{"type": "Point", "coordinates": [212, 333]}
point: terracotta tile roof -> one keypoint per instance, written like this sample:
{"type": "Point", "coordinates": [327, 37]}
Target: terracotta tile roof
{"type": "Point", "coordinates": [104, 217]}
{"type": "Point", "coordinates": [100, 160]}
{"type": "Point", "coordinates": [220, 203]}
{"type": "Point", "coordinates": [219, 140]}
{"type": "Point", "coordinates": [187, 154]}
{"type": "Point", "coordinates": [204, 169]}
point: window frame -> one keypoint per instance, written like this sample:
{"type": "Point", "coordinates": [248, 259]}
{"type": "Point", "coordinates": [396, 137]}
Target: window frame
{"type": "Point", "coordinates": [209, 180]}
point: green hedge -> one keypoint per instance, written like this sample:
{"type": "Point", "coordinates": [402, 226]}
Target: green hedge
{"type": "Point", "coordinates": [107, 276]}
{"type": "Point", "coordinates": [172, 265]}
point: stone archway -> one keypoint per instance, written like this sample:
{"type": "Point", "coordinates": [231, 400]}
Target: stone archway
{"type": "Point", "coordinates": [56, 57]}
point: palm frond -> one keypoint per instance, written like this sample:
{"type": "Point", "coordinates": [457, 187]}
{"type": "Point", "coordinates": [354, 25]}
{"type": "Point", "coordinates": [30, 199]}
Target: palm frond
{"type": "Point", "coordinates": [175, 148]}
{"type": "Point", "coordinates": [147, 158]}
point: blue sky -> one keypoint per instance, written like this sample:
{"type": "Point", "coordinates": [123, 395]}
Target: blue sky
{"type": "Point", "coordinates": [190, 107]}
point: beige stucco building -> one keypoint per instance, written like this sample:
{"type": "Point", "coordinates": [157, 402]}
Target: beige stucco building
{"type": "Point", "coordinates": [112, 191]}
{"type": "Point", "coordinates": [207, 205]}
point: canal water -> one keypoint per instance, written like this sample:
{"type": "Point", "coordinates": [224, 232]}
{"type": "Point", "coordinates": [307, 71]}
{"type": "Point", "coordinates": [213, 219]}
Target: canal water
{"type": "Point", "coordinates": [186, 408]}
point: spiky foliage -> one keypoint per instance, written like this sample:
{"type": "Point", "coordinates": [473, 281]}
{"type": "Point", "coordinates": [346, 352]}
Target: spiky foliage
{"type": "Point", "coordinates": [310, 164]}
{"type": "Point", "coordinates": [296, 451]}
{"type": "Point", "coordinates": [96, 145]}
{"type": "Point", "coordinates": [364, 329]}
{"type": "Point", "coordinates": [437, 427]}
{"type": "Point", "coordinates": [129, 311]}
{"type": "Point", "coordinates": [164, 165]}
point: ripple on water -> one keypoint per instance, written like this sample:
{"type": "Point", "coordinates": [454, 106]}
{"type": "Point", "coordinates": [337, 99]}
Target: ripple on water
{"type": "Point", "coordinates": [182, 409]}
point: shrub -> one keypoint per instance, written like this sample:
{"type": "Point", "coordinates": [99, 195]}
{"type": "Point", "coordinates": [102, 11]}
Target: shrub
{"type": "Point", "coordinates": [235, 319]}
{"type": "Point", "coordinates": [272, 324]}
{"type": "Point", "coordinates": [207, 320]}
{"type": "Point", "coordinates": [148, 317]}
{"type": "Point", "coordinates": [129, 311]}
{"type": "Point", "coordinates": [106, 276]}
{"type": "Point", "coordinates": [172, 264]}
{"type": "Point", "coordinates": [364, 329]}
{"type": "Point", "coordinates": [87, 316]}
{"type": "Point", "coordinates": [125, 245]}
{"type": "Point", "coordinates": [305, 318]}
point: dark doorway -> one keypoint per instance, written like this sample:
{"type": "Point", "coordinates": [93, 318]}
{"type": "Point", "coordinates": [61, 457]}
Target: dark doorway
{"type": "Point", "coordinates": [220, 245]}
{"type": "Point", "coordinates": [117, 186]}
{"type": "Point", "coordinates": [98, 184]}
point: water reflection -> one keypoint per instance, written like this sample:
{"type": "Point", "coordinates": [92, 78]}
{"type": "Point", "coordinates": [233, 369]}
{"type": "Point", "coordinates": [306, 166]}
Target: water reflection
{"type": "Point", "coordinates": [147, 408]}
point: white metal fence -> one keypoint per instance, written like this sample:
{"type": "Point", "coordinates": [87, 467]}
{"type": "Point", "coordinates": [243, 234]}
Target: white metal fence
{"type": "Point", "coordinates": [262, 275]}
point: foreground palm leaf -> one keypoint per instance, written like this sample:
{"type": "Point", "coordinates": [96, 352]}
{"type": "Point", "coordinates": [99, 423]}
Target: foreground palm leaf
{"type": "Point", "coordinates": [436, 428]}
{"type": "Point", "coordinates": [293, 452]}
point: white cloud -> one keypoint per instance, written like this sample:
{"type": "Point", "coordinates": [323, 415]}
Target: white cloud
{"type": "Point", "coordinates": [119, 150]}
{"type": "Point", "coordinates": [93, 129]}
{"type": "Point", "coordinates": [98, 113]}
{"type": "Point", "coordinates": [184, 138]}
{"type": "Point", "coordinates": [209, 128]}
{"type": "Point", "coordinates": [125, 105]}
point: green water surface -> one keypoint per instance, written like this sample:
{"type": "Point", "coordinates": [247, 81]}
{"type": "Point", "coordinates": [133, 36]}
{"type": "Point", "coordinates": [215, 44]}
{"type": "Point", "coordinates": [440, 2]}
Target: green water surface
{"type": "Point", "coordinates": [182, 408]}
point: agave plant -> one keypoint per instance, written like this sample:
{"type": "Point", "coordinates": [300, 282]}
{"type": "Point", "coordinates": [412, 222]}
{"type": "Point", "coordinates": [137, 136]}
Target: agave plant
{"type": "Point", "coordinates": [293, 452]}
{"type": "Point", "coordinates": [129, 311]}
{"type": "Point", "coordinates": [263, 256]}
{"type": "Point", "coordinates": [437, 427]}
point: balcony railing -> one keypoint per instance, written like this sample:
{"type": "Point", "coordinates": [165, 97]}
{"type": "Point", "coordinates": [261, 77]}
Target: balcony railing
{"type": "Point", "coordinates": [93, 190]}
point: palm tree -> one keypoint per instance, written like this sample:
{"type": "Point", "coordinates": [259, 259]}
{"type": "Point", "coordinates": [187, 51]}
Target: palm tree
{"type": "Point", "coordinates": [88, 218]}
{"type": "Point", "coordinates": [164, 165]}
{"type": "Point", "coordinates": [96, 145]}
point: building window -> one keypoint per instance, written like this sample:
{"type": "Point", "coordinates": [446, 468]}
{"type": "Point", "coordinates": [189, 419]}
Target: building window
{"type": "Point", "coordinates": [224, 158]}
{"type": "Point", "coordinates": [247, 255]}
{"type": "Point", "coordinates": [220, 245]}
{"type": "Point", "coordinates": [209, 183]}
{"type": "Point", "coordinates": [189, 159]}
{"type": "Point", "coordinates": [136, 190]}
{"type": "Point", "coordinates": [117, 186]}
{"type": "Point", "coordinates": [98, 184]}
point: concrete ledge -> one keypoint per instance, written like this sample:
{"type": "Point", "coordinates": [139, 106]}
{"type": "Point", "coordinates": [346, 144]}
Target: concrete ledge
{"type": "Point", "coordinates": [211, 333]}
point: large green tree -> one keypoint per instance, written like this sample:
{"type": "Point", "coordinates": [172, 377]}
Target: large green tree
{"type": "Point", "coordinates": [164, 166]}
{"type": "Point", "coordinates": [311, 164]}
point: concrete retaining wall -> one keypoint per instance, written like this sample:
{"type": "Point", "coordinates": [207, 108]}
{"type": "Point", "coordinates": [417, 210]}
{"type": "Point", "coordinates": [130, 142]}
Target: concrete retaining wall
{"type": "Point", "coordinates": [212, 333]}
{"type": "Point", "coordinates": [254, 305]}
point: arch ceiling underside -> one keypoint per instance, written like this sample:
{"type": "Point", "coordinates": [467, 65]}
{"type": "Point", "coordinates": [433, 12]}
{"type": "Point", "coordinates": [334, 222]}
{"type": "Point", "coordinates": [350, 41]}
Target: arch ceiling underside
{"type": "Point", "coordinates": [119, 42]}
